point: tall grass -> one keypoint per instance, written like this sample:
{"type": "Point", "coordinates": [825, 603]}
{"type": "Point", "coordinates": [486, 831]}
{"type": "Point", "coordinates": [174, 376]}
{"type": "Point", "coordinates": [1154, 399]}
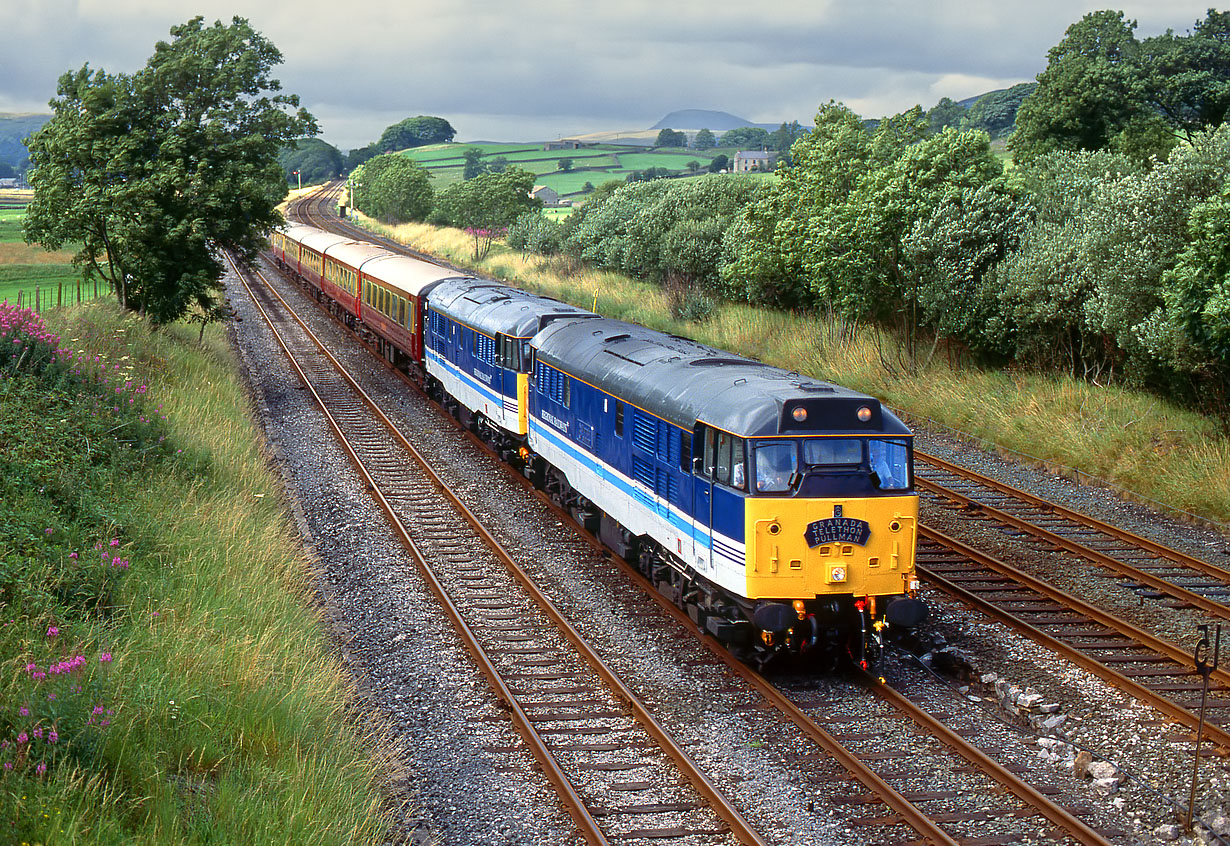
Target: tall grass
{"type": "Point", "coordinates": [216, 713]}
{"type": "Point", "coordinates": [1128, 438]}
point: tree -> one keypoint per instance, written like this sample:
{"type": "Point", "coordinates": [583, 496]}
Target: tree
{"type": "Point", "coordinates": [671, 138]}
{"type": "Point", "coordinates": [785, 135]}
{"type": "Point", "coordinates": [487, 204]}
{"type": "Point", "coordinates": [752, 137]}
{"type": "Point", "coordinates": [498, 164]}
{"type": "Point", "coordinates": [704, 140]}
{"type": "Point", "coordinates": [158, 172]}
{"type": "Point", "coordinates": [564, 165]}
{"type": "Point", "coordinates": [720, 162]}
{"type": "Point", "coordinates": [415, 132]}
{"type": "Point", "coordinates": [1092, 89]}
{"type": "Point", "coordinates": [945, 113]}
{"type": "Point", "coordinates": [359, 155]}
{"type": "Point", "coordinates": [1187, 78]}
{"type": "Point", "coordinates": [316, 161]}
{"type": "Point", "coordinates": [693, 166]}
{"type": "Point", "coordinates": [395, 189]}
{"type": "Point", "coordinates": [474, 164]}
{"type": "Point", "coordinates": [587, 188]}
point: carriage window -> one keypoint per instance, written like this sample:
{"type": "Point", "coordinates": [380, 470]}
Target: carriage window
{"type": "Point", "coordinates": [775, 464]}
{"type": "Point", "coordinates": [890, 462]}
{"type": "Point", "coordinates": [832, 452]}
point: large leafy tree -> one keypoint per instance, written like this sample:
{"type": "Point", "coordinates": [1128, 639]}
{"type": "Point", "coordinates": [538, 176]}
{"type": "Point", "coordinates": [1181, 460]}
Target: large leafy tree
{"type": "Point", "coordinates": [1187, 78]}
{"type": "Point", "coordinates": [314, 159]}
{"type": "Point", "coordinates": [394, 189]}
{"type": "Point", "coordinates": [415, 132]}
{"type": "Point", "coordinates": [1091, 91]}
{"type": "Point", "coordinates": [157, 172]}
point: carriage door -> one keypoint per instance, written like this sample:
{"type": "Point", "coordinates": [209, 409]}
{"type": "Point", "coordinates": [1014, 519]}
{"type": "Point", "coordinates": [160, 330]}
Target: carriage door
{"type": "Point", "coordinates": [704, 462]}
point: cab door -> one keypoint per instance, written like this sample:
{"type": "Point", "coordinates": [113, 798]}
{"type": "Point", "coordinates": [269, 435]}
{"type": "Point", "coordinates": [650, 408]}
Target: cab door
{"type": "Point", "coordinates": [704, 462]}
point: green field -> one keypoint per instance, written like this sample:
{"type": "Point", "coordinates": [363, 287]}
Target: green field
{"type": "Point", "coordinates": [29, 272]}
{"type": "Point", "coordinates": [597, 164]}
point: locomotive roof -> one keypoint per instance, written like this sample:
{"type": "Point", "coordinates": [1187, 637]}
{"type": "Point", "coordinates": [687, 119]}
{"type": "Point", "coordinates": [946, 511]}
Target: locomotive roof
{"type": "Point", "coordinates": [684, 381]}
{"type": "Point", "coordinates": [495, 308]}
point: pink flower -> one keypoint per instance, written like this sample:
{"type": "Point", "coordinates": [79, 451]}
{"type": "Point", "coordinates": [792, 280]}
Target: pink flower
{"type": "Point", "coordinates": [23, 711]}
{"type": "Point", "coordinates": [8, 765]}
{"type": "Point", "coordinates": [41, 768]}
{"type": "Point", "coordinates": [52, 736]}
{"type": "Point", "coordinates": [47, 531]}
{"type": "Point", "coordinates": [115, 541]}
{"type": "Point", "coordinates": [105, 658]}
{"type": "Point", "coordinates": [73, 555]}
{"type": "Point", "coordinates": [98, 709]}
{"type": "Point", "coordinates": [52, 631]}
{"type": "Point", "coordinates": [22, 738]}
{"type": "Point", "coordinates": [38, 734]}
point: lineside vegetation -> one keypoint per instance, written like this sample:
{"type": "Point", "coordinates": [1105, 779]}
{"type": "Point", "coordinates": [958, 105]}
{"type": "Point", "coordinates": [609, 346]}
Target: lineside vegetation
{"type": "Point", "coordinates": [166, 680]}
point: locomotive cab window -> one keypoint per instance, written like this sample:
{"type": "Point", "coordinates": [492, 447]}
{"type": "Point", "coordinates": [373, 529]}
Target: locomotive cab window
{"type": "Point", "coordinates": [841, 453]}
{"type": "Point", "coordinates": [890, 463]}
{"type": "Point", "coordinates": [730, 466]}
{"type": "Point", "coordinates": [776, 463]}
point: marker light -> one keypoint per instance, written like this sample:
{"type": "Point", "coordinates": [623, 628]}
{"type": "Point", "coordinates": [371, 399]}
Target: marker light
{"type": "Point", "coordinates": [864, 414]}
{"type": "Point", "coordinates": [837, 574]}
{"type": "Point", "coordinates": [799, 414]}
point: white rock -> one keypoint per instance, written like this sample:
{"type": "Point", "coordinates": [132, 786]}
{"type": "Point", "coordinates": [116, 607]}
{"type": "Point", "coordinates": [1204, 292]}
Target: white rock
{"type": "Point", "coordinates": [1102, 770]}
{"type": "Point", "coordinates": [1170, 831]}
{"type": "Point", "coordinates": [1105, 786]}
{"type": "Point", "coordinates": [1029, 700]}
{"type": "Point", "coordinates": [989, 678]}
{"type": "Point", "coordinates": [1047, 742]}
{"type": "Point", "coordinates": [1054, 722]}
{"type": "Point", "coordinates": [1049, 708]}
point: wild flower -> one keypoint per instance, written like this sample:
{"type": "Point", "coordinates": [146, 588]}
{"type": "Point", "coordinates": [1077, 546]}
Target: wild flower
{"type": "Point", "coordinates": [105, 658]}
{"type": "Point", "coordinates": [52, 631]}
{"type": "Point", "coordinates": [23, 711]}
{"type": "Point", "coordinates": [41, 768]}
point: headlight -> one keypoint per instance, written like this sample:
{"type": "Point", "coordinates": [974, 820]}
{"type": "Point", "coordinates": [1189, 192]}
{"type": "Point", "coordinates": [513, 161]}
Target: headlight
{"type": "Point", "coordinates": [837, 574]}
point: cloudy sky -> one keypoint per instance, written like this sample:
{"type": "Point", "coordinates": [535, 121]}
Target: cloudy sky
{"type": "Point", "coordinates": [535, 69]}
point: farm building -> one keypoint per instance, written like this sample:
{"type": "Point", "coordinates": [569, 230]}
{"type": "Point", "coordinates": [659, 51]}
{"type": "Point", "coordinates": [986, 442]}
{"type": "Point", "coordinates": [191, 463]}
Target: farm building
{"type": "Point", "coordinates": [753, 160]}
{"type": "Point", "coordinates": [548, 196]}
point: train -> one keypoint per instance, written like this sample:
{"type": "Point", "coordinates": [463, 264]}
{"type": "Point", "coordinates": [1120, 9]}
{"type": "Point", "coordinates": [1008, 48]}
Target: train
{"type": "Point", "coordinates": [777, 510]}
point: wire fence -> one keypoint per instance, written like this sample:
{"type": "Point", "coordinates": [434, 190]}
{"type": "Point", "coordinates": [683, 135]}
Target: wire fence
{"type": "Point", "coordinates": [61, 294]}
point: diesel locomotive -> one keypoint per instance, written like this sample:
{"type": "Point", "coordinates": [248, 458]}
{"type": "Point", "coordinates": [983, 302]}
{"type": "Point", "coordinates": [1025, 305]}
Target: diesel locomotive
{"type": "Point", "coordinates": [777, 510]}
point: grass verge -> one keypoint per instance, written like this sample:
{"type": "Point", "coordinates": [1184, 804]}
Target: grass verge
{"type": "Point", "coordinates": [166, 678]}
{"type": "Point", "coordinates": [1134, 440]}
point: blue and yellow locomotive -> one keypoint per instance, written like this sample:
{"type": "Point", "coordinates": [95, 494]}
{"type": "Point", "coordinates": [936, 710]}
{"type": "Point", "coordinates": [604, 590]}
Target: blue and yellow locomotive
{"type": "Point", "coordinates": [778, 511]}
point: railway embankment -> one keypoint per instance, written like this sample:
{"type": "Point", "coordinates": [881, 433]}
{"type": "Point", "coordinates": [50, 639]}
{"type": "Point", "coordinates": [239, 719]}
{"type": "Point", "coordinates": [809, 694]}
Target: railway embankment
{"type": "Point", "coordinates": [166, 677]}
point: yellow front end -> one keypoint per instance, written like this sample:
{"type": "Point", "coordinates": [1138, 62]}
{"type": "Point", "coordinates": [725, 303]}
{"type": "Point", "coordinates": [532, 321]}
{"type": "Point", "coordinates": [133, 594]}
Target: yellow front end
{"type": "Point", "coordinates": [781, 564]}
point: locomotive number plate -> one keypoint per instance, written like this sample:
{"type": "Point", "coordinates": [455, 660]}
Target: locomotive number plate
{"type": "Point", "coordinates": [837, 530]}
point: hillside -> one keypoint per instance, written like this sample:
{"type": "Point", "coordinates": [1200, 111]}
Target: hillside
{"type": "Point", "coordinates": [14, 128]}
{"type": "Point", "coordinates": [706, 119]}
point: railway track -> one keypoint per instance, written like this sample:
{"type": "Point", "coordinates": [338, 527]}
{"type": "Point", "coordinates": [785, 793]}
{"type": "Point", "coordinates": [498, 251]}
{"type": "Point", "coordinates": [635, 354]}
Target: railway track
{"type": "Point", "coordinates": [1007, 796]}
{"type": "Point", "coordinates": [1152, 569]}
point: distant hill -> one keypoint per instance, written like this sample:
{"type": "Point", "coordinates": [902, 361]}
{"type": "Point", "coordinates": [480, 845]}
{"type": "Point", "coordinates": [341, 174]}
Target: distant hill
{"type": "Point", "coordinates": [706, 119]}
{"type": "Point", "coordinates": [14, 128]}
